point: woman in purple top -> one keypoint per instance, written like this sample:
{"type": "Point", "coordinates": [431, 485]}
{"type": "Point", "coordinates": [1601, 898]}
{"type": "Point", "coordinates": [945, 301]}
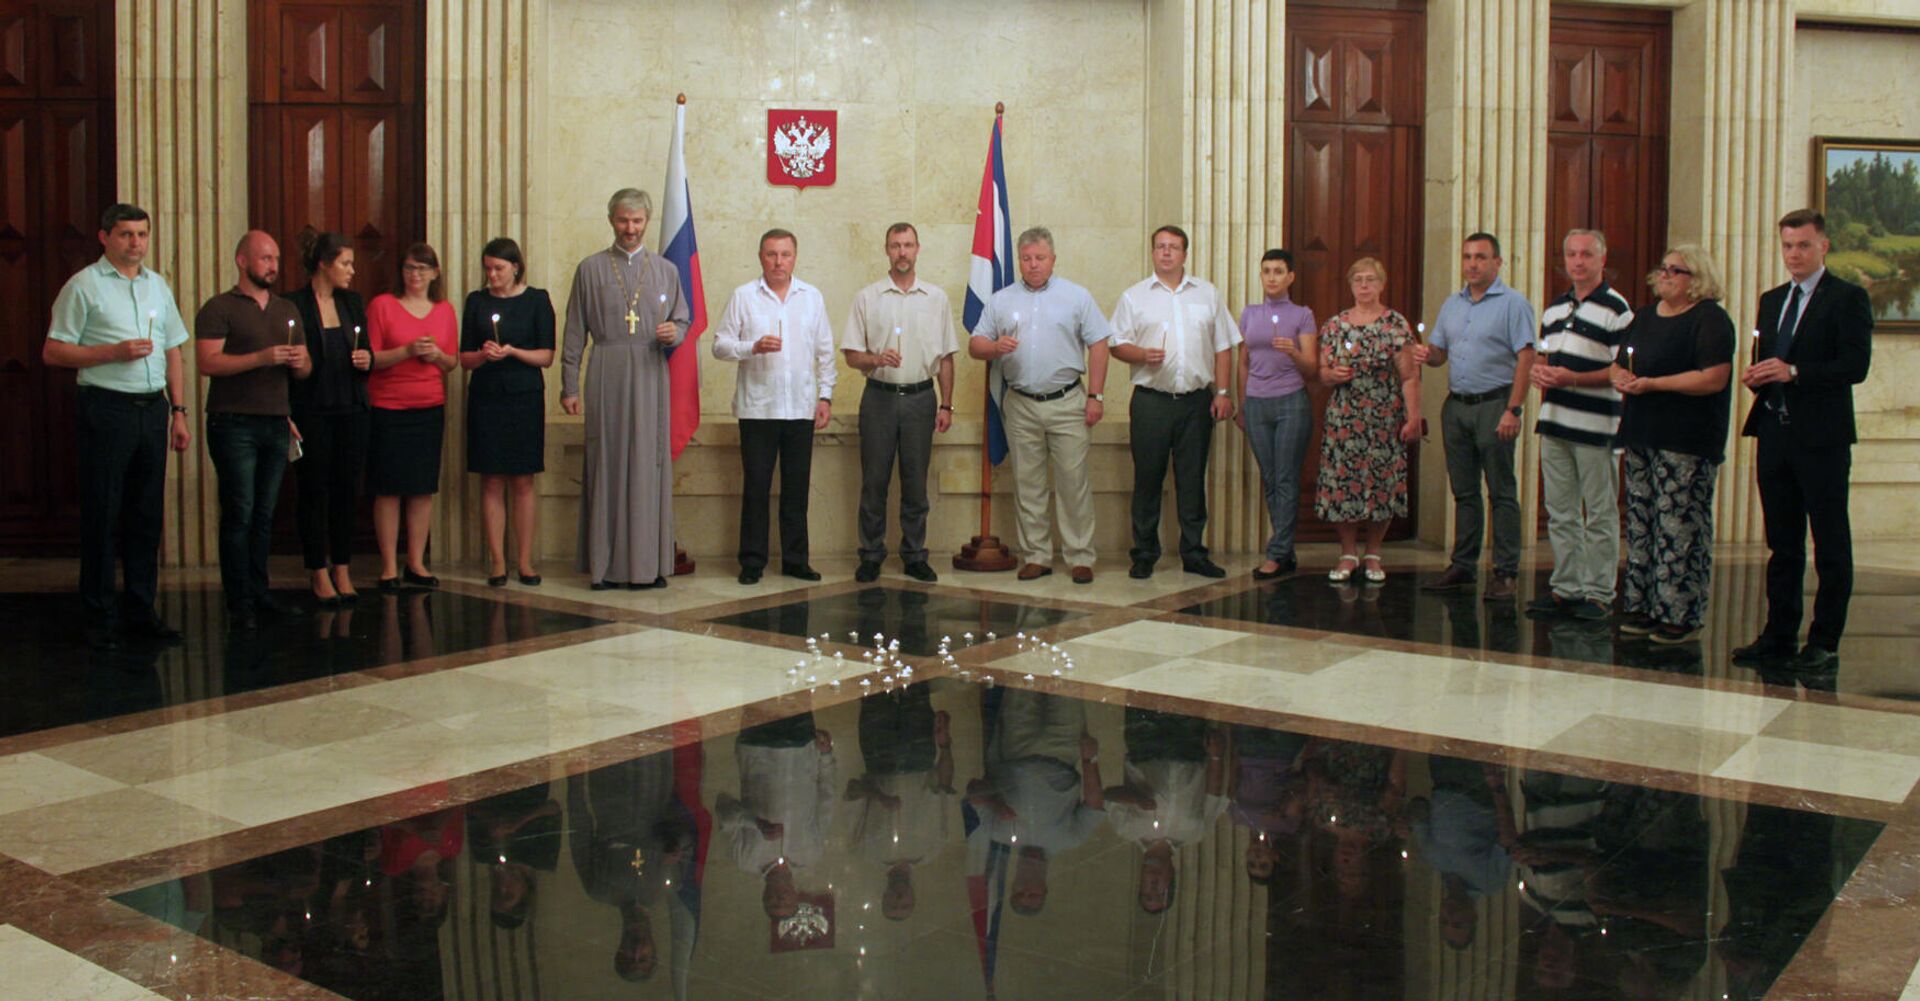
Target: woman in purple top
{"type": "Point", "coordinates": [1277, 356]}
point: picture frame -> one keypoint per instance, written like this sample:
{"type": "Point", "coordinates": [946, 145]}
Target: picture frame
{"type": "Point", "coordinates": [1869, 190]}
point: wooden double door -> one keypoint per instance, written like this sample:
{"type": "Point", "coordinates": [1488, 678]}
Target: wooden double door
{"type": "Point", "coordinates": [56, 175]}
{"type": "Point", "coordinates": [1355, 104]}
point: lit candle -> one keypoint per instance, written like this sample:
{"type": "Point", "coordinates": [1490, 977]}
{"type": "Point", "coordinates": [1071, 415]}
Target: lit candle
{"type": "Point", "coordinates": [359, 338]}
{"type": "Point", "coordinates": [290, 324]}
{"type": "Point", "coordinates": [496, 328]}
{"type": "Point", "coordinates": [1756, 346]}
{"type": "Point", "coordinates": [154, 314]}
{"type": "Point", "coordinates": [1629, 359]}
{"type": "Point", "coordinates": [896, 338]}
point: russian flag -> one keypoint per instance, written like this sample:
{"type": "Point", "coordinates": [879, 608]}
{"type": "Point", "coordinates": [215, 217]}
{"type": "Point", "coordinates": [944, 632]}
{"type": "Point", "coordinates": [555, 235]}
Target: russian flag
{"type": "Point", "coordinates": [678, 246]}
{"type": "Point", "coordinates": [992, 271]}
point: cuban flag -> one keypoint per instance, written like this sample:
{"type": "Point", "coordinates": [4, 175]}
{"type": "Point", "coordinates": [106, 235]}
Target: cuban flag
{"type": "Point", "coordinates": [678, 246]}
{"type": "Point", "coordinates": [992, 271]}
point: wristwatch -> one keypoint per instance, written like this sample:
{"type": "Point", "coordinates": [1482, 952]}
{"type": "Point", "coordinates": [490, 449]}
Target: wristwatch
{"type": "Point", "coordinates": [1220, 392]}
{"type": "Point", "coordinates": [947, 407]}
{"type": "Point", "coordinates": [1097, 397]}
{"type": "Point", "coordinates": [178, 409]}
{"type": "Point", "coordinates": [1516, 411]}
{"type": "Point", "coordinates": [1793, 373]}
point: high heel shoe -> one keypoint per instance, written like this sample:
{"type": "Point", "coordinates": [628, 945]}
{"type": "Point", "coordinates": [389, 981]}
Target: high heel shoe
{"type": "Point", "coordinates": [1344, 569]}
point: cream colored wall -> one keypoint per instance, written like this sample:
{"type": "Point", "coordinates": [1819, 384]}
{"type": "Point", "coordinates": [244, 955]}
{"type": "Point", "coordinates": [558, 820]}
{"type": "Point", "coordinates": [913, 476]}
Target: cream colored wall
{"type": "Point", "coordinates": [914, 85]}
{"type": "Point", "coordinates": [1842, 90]}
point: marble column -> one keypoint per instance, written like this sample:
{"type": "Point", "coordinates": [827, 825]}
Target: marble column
{"type": "Point", "coordinates": [482, 178]}
{"type": "Point", "coordinates": [180, 121]}
{"type": "Point", "coordinates": [1216, 135]}
{"type": "Point", "coordinates": [1486, 161]}
{"type": "Point", "coordinates": [1732, 77]}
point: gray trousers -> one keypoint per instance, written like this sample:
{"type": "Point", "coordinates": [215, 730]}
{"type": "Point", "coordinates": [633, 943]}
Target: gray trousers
{"type": "Point", "coordinates": [1580, 487]}
{"type": "Point", "coordinates": [894, 426]}
{"type": "Point", "coordinates": [1279, 428]}
{"type": "Point", "coordinates": [1475, 452]}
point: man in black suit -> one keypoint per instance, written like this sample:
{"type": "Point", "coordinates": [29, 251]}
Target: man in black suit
{"type": "Point", "coordinates": [1815, 339]}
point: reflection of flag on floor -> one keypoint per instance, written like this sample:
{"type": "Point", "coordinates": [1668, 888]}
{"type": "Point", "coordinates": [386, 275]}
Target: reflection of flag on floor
{"type": "Point", "coordinates": [680, 249]}
{"type": "Point", "coordinates": [986, 889]}
{"type": "Point", "coordinates": [689, 760]}
{"type": "Point", "coordinates": [992, 271]}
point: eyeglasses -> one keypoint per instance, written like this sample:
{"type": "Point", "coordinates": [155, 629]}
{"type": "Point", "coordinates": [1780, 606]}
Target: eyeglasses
{"type": "Point", "coordinates": [1673, 272]}
{"type": "Point", "coordinates": [1364, 278]}
{"type": "Point", "coordinates": [416, 268]}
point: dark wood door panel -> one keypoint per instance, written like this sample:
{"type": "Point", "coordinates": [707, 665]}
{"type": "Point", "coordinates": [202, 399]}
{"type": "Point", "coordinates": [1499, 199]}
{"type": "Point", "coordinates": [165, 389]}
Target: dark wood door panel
{"type": "Point", "coordinates": [1570, 87]}
{"type": "Point", "coordinates": [70, 54]}
{"type": "Point", "coordinates": [18, 29]}
{"type": "Point", "coordinates": [309, 50]}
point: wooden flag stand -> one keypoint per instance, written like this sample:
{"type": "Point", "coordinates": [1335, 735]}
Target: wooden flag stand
{"type": "Point", "coordinates": [985, 553]}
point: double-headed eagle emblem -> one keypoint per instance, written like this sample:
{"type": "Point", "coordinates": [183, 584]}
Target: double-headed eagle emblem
{"type": "Point", "coordinates": [802, 148]}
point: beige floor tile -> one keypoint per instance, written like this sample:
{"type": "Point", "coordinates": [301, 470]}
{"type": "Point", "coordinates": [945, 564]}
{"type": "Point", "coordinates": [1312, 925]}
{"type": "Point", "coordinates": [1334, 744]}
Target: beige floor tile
{"type": "Point", "coordinates": [444, 693]}
{"type": "Point", "coordinates": [34, 779]}
{"type": "Point", "coordinates": [1281, 654]}
{"type": "Point", "coordinates": [1168, 639]}
{"type": "Point", "coordinates": [105, 827]}
{"type": "Point", "coordinates": [315, 720]}
{"type": "Point", "coordinates": [1843, 771]}
{"type": "Point", "coordinates": [1235, 684]}
{"type": "Point", "coordinates": [160, 752]}
{"type": "Point", "coordinates": [1690, 750]}
{"type": "Point", "coordinates": [272, 789]}
{"type": "Point", "coordinates": [1843, 726]}
{"type": "Point", "coordinates": [38, 969]}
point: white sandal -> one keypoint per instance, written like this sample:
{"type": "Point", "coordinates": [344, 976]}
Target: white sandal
{"type": "Point", "coordinates": [1374, 576]}
{"type": "Point", "coordinates": [1341, 571]}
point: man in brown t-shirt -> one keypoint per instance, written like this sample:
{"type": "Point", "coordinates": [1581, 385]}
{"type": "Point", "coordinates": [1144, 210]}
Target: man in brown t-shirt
{"type": "Point", "coordinates": [247, 340]}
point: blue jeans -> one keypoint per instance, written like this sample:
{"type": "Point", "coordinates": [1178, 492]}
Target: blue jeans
{"type": "Point", "coordinates": [1279, 428]}
{"type": "Point", "coordinates": [249, 453]}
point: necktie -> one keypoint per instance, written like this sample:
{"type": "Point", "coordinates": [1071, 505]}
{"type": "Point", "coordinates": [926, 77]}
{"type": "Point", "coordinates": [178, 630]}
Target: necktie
{"type": "Point", "coordinates": [1783, 339]}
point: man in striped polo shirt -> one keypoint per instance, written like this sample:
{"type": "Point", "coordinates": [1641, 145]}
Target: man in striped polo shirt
{"type": "Point", "coordinates": [1579, 413]}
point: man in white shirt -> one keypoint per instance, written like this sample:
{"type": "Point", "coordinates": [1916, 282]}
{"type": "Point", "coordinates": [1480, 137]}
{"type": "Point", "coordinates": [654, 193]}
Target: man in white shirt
{"type": "Point", "coordinates": [776, 328]}
{"type": "Point", "coordinates": [900, 333]}
{"type": "Point", "coordinates": [1179, 337]}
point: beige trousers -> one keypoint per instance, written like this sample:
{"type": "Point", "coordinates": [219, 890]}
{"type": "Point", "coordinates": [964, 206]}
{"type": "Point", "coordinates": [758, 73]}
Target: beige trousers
{"type": "Point", "coordinates": [1042, 435]}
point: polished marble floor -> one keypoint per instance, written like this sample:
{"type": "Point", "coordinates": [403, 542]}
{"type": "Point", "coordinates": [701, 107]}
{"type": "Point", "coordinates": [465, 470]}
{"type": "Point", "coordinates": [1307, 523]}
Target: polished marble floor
{"type": "Point", "coordinates": [1171, 788]}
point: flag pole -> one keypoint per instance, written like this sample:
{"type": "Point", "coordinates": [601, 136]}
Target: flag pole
{"type": "Point", "coordinates": [985, 552]}
{"type": "Point", "coordinates": [683, 564]}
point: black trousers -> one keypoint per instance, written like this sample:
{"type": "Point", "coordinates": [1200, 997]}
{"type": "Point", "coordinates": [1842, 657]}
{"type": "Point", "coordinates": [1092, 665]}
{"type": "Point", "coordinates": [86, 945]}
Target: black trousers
{"type": "Point", "coordinates": [1176, 429]}
{"type": "Point", "coordinates": [123, 478]}
{"type": "Point", "coordinates": [329, 485]}
{"type": "Point", "coordinates": [1803, 487]}
{"type": "Point", "coordinates": [764, 443]}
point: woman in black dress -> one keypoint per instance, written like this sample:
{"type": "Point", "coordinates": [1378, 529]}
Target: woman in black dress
{"type": "Point", "coordinates": [330, 413]}
{"type": "Point", "coordinates": [506, 338]}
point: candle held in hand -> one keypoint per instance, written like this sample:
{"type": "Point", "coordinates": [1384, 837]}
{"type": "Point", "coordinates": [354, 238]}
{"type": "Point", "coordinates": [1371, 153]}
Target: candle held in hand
{"type": "Point", "coordinates": [1756, 346]}
{"type": "Point", "coordinates": [1629, 359]}
{"type": "Point", "coordinates": [154, 314]}
{"type": "Point", "coordinates": [496, 328]}
{"type": "Point", "coordinates": [290, 324]}
{"type": "Point", "coordinates": [359, 338]}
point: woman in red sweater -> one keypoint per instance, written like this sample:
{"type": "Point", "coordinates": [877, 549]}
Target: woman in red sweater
{"type": "Point", "coordinates": [415, 342]}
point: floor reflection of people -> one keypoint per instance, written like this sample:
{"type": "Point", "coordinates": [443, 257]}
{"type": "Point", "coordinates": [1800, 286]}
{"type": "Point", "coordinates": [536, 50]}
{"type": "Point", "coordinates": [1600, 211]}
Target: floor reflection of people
{"type": "Point", "coordinates": [780, 821]}
{"type": "Point", "coordinates": [1777, 889]}
{"type": "Point", "coordinates": [515, 835]}
{"type": "Point", "coordinates": [904, 797]}
{"type": "Point", "coordinates": [418, 853]}
{"type": "Point", "coordinates": [1459, 830]}
{"type": "Point", "coordinates": [1267, 792]}
{"type": "Point", "coordinates": [412, 638]}
{"type": "Point", "coordinates": [1354, 794]}
{"type": "Point", "coordinates": [1174, 787]}
{"type": "Point", "coordinates": [627, 839]}
{"type": "Point", "coordinates": [1041, 794]}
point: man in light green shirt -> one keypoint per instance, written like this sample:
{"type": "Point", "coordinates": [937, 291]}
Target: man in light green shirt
{"type": "Point", "coordinates": [116, 322]}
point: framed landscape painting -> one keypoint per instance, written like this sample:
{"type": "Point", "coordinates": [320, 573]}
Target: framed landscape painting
{"type": "Point", "coordinates": [1870, 192]}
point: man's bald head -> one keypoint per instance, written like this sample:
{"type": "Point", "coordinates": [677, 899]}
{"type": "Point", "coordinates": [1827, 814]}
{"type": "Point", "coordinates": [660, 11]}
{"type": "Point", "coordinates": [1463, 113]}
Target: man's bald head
{"type": "Point", "coordinates": [258, 257]}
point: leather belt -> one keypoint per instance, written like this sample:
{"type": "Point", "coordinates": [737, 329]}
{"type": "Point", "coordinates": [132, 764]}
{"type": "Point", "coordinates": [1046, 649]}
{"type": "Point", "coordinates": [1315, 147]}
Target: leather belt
{"type": "Point", "coordinates": [1044, 397]}
{"type": "Point", "coordinates": [1504, 392]}
{"type": "Point", "coordinates": [901, 389]}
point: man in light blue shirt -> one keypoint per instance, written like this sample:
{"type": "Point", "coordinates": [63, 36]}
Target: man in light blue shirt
{"type": "Point", "coordinates": [116, 322]}
{"type": "Point", "coordinates": [1484, 334]}
{"type": "Point", "coordinates": [1044, 331]}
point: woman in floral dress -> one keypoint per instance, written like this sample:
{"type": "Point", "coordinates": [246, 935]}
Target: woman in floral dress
{"type": "Point", "coordinates": [1371, 416]}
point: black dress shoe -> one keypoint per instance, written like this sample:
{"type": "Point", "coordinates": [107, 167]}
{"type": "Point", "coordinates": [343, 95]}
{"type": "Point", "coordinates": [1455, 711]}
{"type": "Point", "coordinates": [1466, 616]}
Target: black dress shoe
{"type": "Point", "coordinates": [1205, 568]}
{"type": "Point", "coordinates": [658, 582]}
{"type": "Point", "coordinates": [530, 579]}
{"type": "Point", "coordinates": [389, 585]}
{"type": "Point", "coordinates": [269, 607]}
{"type": "Point", "coordinates": [867, 572]}
{"type": "Point", "coordinates": [920, 571]}
{"type": "Point", "coordinates": [152, 630]}
{"type": "Point", "coordinates": [1765, 651]}
{"type": "Point", "coordinates": [749, 575]}
{"type": "Point", "coordinates": [1140, 570]}
{"type": "Point", "coordinates": [103, 638]}
{"type": "Point", "coordinates": [419, 579]}
{"type": "Point", "coordinates": [244, 621]}
{"type": "Point", "coordinates": [1815, 660]}
{"type": "Point", "coordinates": [497, 580]}
{"type": "Point", "coordinates": [1281, 569]}
{"type": "Point", "coordinates": [603, 585]}
{"type": "Point", "coordinates": [799, 571]}
{"type": "Point", "coordinates": [1452, 580]}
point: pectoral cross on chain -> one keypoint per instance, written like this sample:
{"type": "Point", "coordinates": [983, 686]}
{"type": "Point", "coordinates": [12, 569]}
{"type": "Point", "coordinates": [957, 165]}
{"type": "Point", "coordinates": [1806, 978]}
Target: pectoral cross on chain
{"type": "Point", "coordinates": [633, 321]}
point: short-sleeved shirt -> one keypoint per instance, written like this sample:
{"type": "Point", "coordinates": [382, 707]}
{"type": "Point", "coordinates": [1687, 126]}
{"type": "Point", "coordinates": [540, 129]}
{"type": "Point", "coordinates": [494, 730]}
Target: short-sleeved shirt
{"type": "Point", "coordinates": [412, 383]}
{"type": "Point", "coordinates": [918, 322]}
{"type": "Point", "coordinates": [526, 322]}
{"type": "Point", "coordinates": [1271, 374]}
{"type": "Point", "coordinates": [1055, 324]}
{"type": "Point", "coordinates": [1189, 322]}
{"type": "Point", "coordinates": [1699, 338]}
{"type": "Point", "coordinates": [99, 305]}
{"type": "Point", "coordinates": [1483, 340]}
{"type": "Point", "coordinates": [237, 319]}
{"type": "Point", "coordinates": [1581, 335]}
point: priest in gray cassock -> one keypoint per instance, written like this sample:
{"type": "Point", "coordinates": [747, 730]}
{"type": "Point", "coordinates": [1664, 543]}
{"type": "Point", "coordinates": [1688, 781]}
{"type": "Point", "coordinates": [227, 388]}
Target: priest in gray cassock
{"type": "Point", "coordinates": [627, 301]}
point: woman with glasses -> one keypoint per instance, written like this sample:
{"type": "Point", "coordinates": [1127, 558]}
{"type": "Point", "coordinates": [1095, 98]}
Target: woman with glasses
{"type": "Point", "coordinates": [415, 344]}
{"type": "Point", "coordinates": [1673, 372]}
{"type": "Point", "coordinates": [1372, 414]}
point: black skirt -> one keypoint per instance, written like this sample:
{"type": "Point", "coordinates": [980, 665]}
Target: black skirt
{"type": "Point", "coordinates": [403, 452]}
{"type": "Point", "coordinates": [507, 433]}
